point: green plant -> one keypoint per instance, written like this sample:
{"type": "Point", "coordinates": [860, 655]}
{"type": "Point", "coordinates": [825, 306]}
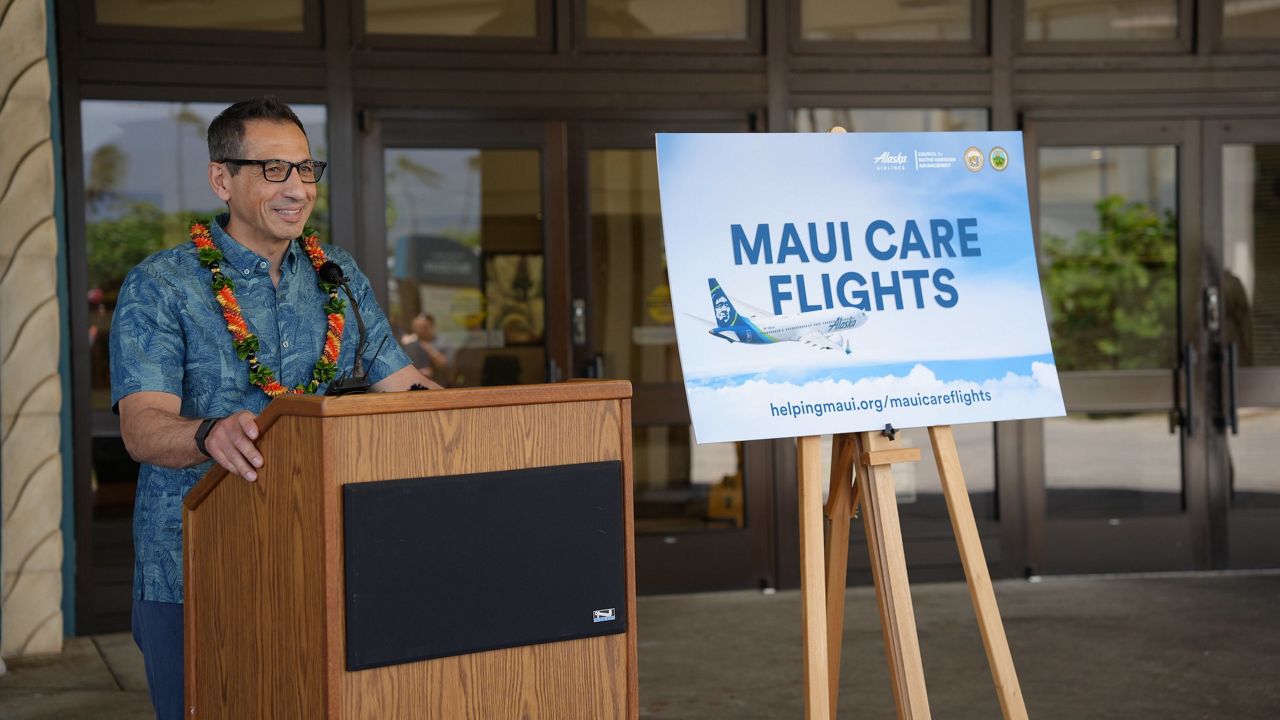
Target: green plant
{"type": "Point", "coordinates": [1113, 291]}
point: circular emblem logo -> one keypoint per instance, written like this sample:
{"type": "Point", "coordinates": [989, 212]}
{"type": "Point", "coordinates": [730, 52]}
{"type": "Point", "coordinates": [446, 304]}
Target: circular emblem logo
{"type": "Point", "coordinates": [973, 159]}
{"type": "Point", "coordinates": [999, 158]}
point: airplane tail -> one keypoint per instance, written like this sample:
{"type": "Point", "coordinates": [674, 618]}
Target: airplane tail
{"type": "Point", "coordinates": [726, 315]}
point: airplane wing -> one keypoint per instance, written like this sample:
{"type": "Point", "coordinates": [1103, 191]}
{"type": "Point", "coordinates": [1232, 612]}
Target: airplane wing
{"type": "Point", "coordinates": [817, 340]}
{"type": "Point", "coordinates": [700, 320]}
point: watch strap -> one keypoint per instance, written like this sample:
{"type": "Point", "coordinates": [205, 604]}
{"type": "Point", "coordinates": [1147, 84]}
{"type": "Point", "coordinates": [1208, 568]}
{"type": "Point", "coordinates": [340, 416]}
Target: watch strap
{"type": "Point", "coordinates": [202, 433]}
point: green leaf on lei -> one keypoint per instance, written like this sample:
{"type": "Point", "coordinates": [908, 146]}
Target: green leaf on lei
{"type": "Point", "coordinates": [246, 346]}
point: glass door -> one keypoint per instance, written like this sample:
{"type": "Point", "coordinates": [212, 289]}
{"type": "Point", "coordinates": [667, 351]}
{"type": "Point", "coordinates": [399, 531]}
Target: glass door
{"type": "Point", "coordinates": [1242, 318]}
{"type": "Point", "coordinates": [702, 511]}
{"type": "Point", "coordinates": [1115, 211]}
{"type": "Point", "coordinates": [458, 224]}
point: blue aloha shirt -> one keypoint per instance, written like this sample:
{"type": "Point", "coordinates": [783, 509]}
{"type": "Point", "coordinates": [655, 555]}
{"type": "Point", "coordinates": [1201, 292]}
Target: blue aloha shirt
{"type": "Point", "coordinates": [168, 335]}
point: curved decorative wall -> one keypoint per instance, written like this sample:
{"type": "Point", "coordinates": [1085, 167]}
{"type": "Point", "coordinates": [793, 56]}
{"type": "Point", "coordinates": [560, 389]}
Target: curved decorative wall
{"type": "Point", "coordinates": [30, 386]}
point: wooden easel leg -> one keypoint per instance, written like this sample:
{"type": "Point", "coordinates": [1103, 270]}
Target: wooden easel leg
{"type": "Point", "coordinates": [975, 571]}
{"type": "Point", "coordinates": [893, 593]}
{"type": "Point", "coordinates": [841, 501]}
{"type": "Point", "coordinates": [812, 582]}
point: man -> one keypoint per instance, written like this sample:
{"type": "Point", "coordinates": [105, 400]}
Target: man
{"type": "Point", "coordinates": [204, 334]}
{"type": "Point", "coordinates": [426, 350]}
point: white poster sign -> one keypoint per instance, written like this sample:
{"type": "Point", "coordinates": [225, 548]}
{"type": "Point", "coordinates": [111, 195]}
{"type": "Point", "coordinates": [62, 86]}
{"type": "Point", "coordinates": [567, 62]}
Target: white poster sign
{"type": "Point", "coordinates": [840, 282]}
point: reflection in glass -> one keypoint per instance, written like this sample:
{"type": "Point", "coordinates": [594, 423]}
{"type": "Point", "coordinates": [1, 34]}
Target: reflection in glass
{"type": "Point", "coordinates": [1109, 252]}
{"type": "Point", "coordinates": [1251, 19]}
{"type": "Point", "coordinates": [464, 254]}
{"type": "Point", "coordinates": [667, 19]}
{"type": "Point", "coordinates": [1091, 20]}
{"type": "Point", "coordinates": [277, 15]}
{"type": "Point", "coordinates": [1251, 252]}
{"type": "Point", "coordinates": [890, 120]}
{"type": "Point", "coordinates": [1254, 480]}
{"type": "Point", "coordinates": [634, 324]}
{"type": "Point", "coordinates": [465, 18]}
{"type": "Point", "coordinates": [918, 486]}
{"type": "Point", "coordinates": [678, 484]}
{"type": "Point", "coordinates": [886, 20]}
{"type": "Point", "coordinates": [1111, 466]}
{"type": "Point", "coordinates": [1251, 308]}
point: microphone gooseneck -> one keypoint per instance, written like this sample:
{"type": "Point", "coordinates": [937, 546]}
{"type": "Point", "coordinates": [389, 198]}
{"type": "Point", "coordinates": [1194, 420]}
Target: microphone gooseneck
{"type": "Point", "coordinates": [331, 272]}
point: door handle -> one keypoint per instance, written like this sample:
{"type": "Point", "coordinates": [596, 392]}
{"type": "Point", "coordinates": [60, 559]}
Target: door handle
{"type": "Point", "coordinates": [1233, 411]}
{"type": "Point", "coordinates": [1184, 414]}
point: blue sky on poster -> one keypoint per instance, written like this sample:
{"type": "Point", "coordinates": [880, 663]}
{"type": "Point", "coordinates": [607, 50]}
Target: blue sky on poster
{"type": "Point", "coordinates": [995, 336]}
{"type": "Point", "coordinates": [747, 177]}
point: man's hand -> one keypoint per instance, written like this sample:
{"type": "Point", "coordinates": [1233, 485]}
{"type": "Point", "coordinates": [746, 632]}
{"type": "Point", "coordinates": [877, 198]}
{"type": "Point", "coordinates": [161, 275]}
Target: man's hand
{"type": "Point", "coordinates": [231, 444]}
{"type": "Point", "coordinates": [154, 432]}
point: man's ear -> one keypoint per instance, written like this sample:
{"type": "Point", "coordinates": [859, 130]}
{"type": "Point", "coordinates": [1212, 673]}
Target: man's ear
{"type": "Point", "coordinates": [220, 181]}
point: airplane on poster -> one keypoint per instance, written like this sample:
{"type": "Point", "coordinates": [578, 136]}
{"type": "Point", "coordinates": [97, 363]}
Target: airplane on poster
{"type": "Point", "coordinates": [821, 329]}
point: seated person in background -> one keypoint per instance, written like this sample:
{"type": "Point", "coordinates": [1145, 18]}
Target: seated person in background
{"type": "Point", "coordinates": [426, 349]}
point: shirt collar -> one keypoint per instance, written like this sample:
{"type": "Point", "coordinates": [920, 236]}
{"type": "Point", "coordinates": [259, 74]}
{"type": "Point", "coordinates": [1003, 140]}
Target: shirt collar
{"type": "Point", "coordinates": [241, 258]}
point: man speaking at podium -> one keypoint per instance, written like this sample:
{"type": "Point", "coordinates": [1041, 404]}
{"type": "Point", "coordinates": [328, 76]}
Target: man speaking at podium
{"type": "Point", "coordinates": [206, 333]}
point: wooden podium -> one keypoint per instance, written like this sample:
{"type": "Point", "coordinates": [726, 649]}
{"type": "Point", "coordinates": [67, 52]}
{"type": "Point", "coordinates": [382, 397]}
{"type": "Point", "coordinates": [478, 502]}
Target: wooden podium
{"type": "Point", "coordinates": [266, 603]}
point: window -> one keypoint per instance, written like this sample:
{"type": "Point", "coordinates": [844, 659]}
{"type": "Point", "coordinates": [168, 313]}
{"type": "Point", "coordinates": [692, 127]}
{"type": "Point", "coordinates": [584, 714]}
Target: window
{"type": "Point", "coordinates": [276, 15]}
{"type": "Point", "coordinates": [881, 20]}
{"type": "Point", "coordinates": [667, 19]}
{"type": "Point", "coordinates": [457, 18]}
{"type": "Point", "coordinates": [464, 253]}
{"type": "Point", "coordinates": [1088, 20]}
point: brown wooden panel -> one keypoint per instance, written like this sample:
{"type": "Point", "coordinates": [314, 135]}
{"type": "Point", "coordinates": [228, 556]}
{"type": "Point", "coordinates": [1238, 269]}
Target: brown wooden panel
{"type": "Point", "coordinates": [255, 621]}
{"type": "Point", "coordinates": [407, 402]}
{"type": "Point", "coordinates": [586, 678]}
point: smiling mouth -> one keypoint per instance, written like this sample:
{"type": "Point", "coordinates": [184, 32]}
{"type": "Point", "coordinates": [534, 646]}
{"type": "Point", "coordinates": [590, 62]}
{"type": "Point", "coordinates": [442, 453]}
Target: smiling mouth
{"type": "Point", "coordinates": [289, 213]}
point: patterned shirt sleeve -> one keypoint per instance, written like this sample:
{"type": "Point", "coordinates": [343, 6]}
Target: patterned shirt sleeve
{"type": "Point", "coordinates": [147, 345]}
{"type": "Point", "coordinates": [391, 357]}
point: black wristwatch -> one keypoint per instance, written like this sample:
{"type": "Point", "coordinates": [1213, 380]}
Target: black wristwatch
{"type": "Point", "coordinates": [202, 432]}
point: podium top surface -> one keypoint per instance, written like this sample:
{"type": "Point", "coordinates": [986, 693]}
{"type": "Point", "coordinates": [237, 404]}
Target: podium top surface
{"type": "Point", "coordinates": [419, 401]}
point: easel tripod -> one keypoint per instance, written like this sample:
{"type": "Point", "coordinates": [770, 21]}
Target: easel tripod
{"type": "Point", "coordinates": [861, 476]}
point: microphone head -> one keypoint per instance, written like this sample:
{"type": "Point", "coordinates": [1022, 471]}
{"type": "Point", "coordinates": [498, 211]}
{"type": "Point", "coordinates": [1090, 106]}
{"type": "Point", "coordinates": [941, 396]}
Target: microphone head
{"type": "Point", "coordinates": [330, 272]}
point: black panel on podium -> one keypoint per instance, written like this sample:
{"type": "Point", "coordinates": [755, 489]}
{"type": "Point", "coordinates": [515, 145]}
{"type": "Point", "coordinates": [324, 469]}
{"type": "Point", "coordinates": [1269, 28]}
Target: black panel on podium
{"type": "Point", "coordinates": [444, 566]}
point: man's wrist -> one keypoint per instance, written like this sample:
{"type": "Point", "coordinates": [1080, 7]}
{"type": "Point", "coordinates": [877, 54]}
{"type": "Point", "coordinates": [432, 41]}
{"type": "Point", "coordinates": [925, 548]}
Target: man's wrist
{"type": "Point", "coordinates": [202, 433]}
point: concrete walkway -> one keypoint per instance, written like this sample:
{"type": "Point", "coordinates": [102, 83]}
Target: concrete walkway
{"type": "Point", "coordinates": [1170, 647]}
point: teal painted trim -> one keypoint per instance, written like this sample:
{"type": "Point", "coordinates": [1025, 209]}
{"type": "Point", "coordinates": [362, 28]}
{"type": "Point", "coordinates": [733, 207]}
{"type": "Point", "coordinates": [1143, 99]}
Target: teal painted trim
{"type": "Point", "coordinates": [64, 335]}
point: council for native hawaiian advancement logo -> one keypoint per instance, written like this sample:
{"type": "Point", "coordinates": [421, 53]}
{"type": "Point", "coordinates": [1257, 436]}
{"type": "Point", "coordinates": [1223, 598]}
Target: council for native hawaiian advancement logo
{"type": "Point", "coordinates": [998, 158]}
{"type": "Point", "coordinates": [973, 159]}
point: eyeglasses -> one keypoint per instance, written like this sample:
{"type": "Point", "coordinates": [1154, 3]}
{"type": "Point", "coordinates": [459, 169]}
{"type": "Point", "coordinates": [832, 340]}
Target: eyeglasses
{"type": "Point", "coordinates": [309, 171]}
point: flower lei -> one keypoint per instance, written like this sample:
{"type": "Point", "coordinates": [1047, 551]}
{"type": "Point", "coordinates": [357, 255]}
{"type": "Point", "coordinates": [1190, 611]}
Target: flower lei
{"type": "Point", "coordinates": [246, 343]}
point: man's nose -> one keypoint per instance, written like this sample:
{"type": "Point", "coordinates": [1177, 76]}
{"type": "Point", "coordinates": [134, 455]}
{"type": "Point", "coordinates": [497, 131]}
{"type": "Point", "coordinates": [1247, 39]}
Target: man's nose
{"type": "Point", "coordinates": [294, 188]}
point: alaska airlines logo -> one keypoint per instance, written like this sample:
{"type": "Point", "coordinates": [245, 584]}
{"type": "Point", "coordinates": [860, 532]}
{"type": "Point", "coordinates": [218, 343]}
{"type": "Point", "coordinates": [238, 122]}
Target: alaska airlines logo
{"type": "Point", "coordinates": [886, 158]}
{"type": "Point", "coordinates": [844, 323]}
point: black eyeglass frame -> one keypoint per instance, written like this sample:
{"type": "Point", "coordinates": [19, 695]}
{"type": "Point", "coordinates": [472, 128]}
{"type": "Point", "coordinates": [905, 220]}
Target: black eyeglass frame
{"type": "Point", "coordinates": [317, 166]}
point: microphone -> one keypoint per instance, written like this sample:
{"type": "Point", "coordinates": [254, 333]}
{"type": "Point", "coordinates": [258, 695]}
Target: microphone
{"type": "Point", "coordinates": [330, 272]}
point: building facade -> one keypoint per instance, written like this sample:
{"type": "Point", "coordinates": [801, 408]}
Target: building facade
{"type": "Point", "coordinates": [492, 167]}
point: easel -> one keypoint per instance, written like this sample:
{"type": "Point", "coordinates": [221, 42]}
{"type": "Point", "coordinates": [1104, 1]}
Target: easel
{"type": "Point", "coordinates": [861, 475]}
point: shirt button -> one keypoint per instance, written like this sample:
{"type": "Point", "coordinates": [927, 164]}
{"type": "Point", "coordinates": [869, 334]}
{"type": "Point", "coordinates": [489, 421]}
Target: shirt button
{"type": "Point", "coordinates": [285, 343]}
{"type": "Point", "coordinates": [263, 264]}
{"type": "Point", "coordinates": [246, 271]}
